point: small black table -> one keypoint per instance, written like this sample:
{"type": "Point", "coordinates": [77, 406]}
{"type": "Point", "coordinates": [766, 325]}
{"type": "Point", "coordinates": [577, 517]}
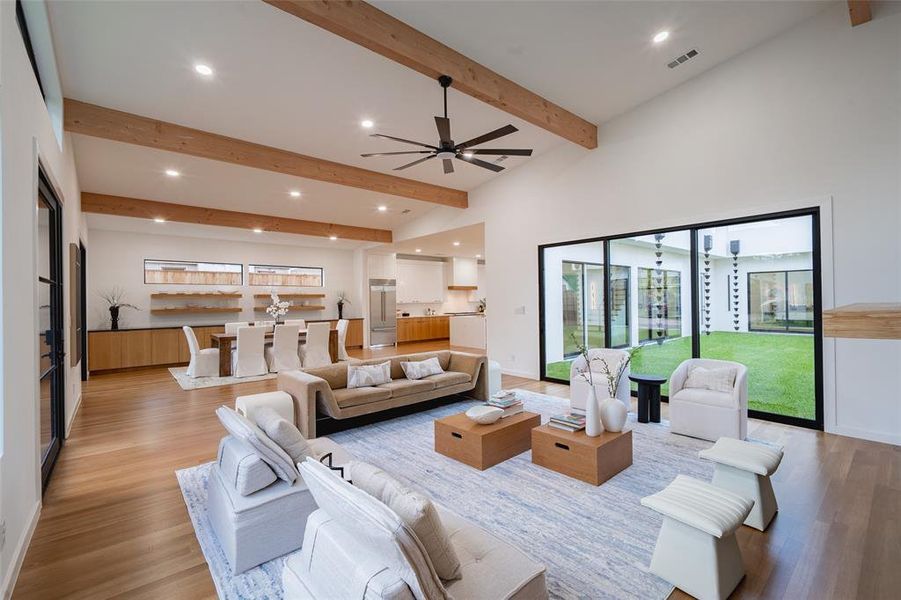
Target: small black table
{"type": "Point", "coordinates": [648, 396]}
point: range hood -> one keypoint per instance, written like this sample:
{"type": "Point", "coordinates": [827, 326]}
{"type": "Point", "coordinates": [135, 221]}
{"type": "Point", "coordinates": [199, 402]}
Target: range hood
{"type": "Point", "coordinates": [462, 274]}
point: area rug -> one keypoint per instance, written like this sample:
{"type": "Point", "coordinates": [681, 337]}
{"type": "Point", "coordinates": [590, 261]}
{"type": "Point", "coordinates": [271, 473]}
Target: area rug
{"type": "Point", "coordinates": [196, 383]}
{"type": "Point", "coordinates": [595, 541]}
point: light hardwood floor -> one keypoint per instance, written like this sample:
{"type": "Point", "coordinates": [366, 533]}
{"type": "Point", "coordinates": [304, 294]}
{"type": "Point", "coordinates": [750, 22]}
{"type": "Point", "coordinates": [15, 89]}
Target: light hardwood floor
{"type": "Point", "coordinates": [114, 524]}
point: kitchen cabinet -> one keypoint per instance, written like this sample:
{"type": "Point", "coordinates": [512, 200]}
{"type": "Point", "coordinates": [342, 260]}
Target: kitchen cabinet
{"type": "Point", "coordinates": [418, 329]}
{"type": "Point", "coordinates": [462, 273]}
{"type": "Point", "coordinates": [382, 266]}
{"type": "Point", "coordinates": [420, 282]}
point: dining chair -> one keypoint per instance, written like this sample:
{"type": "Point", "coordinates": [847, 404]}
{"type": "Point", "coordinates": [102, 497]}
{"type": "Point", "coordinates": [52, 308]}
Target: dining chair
{"type": "Point", "coordinates": [315, 351]}
{"type": "Point", "coordinates": [299, 322]}
{"type": "Point", "coordinates": [232, 328]}
{"type": "Point", "coordinates": [282, 354]}
{"type": "Point", "coordinates": [267, 325]}
{"type": "Point", "coordinates": [342, 339]}
{"type": "Point", "coordinates": [248, 359]}
{"type": "Point", "coordinates": [204, 362]}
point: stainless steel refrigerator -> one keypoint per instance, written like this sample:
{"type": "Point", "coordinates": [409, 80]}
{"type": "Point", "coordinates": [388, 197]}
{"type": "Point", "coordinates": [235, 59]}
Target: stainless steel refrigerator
{"type": "Point", "coordinates": [382, 312]}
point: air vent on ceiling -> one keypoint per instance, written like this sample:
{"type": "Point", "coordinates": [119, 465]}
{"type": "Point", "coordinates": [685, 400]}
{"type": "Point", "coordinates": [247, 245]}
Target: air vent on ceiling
{"type": "Point", "coordinates": [682, 59]}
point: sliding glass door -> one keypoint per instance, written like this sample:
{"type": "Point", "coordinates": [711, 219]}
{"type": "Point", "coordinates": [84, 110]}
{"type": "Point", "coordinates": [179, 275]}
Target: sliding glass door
{"type": "Point", "coordinates": [745, 290]}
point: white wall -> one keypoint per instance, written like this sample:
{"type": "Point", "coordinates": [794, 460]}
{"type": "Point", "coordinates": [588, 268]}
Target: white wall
{"type": "Point", "coordinates": [26, 137]}
{"type": "Point", "coordinates": [116, 258]}
{"type": "Point", "coordinates": [812, 114]}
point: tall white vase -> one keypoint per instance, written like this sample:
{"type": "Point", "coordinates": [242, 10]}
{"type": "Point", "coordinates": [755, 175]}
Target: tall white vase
{"type": "Point", "coordinates": [593, 426]}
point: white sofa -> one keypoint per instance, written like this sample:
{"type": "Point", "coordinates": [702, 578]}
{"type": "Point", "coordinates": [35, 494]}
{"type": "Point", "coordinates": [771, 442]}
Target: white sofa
{"type": "Point", "coordinates": [579, 389]}
{"type": "Point", "coordinates": [708, 414]}
{"type": "Point", "coordinates": [356, 547]}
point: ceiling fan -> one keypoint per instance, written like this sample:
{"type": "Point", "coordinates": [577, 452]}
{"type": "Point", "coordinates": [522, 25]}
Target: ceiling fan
{"type": "Point", "coordinates": [447, 150]}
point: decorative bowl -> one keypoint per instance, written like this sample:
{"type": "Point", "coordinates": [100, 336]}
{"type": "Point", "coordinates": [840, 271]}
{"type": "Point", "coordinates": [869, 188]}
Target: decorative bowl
{"type": "Point", "coordinates": [484, 415]}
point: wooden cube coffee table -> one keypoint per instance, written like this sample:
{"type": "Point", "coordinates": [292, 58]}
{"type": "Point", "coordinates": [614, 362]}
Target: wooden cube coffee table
{"type": "Point", "coordinates": [483, 446]}
{"type": "Point", "coordinates": [594, 460]}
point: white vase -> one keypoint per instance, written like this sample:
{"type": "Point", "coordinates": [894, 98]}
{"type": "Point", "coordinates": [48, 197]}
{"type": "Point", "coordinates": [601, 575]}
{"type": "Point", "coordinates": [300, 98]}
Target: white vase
{"type": "Point", "coordinates": [613, 414]}
{"type": "Point", "coordinates": [593, 426]}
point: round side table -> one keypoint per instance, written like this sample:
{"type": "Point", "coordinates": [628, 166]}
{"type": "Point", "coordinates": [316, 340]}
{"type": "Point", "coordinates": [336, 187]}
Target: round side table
{"type": "Point", "coordinates": [648, 396]}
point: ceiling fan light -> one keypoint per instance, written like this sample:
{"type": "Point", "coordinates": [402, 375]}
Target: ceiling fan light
{"type": "Point", "coordinates": [468, 155]}
{"type": "Point", "coordinates": [446, 154]}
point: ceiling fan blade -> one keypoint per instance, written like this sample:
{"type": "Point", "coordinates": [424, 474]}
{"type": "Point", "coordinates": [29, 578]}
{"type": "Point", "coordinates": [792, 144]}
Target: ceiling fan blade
{"type": "Point", "coordinates": [415, 162]}
{"type": "Point", "coordinates": [397, 139]}
{"type": "Point", "coordinates": [448, 166]}
{"type": "Point", "coordinates": [397, 153]}
{"type": "Point", "coordinates": [492, 135]}
{"type": "Point", "coordinates": [443, 124]}
{"type": "Point", "coordinates": [482, 163]}
{"type": "Point", "coordinates": [506, 152]}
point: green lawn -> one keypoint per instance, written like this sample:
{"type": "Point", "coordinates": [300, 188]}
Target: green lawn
{"type": "Point", "coordinates": [780, 366]}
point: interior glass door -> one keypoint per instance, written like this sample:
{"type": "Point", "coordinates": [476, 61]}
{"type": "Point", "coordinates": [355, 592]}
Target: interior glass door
{"type": "Point", "coordinates": [50, 328]}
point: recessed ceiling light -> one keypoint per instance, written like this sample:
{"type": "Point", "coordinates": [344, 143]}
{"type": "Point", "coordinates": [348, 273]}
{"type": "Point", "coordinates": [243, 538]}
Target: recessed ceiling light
{"type": "Point", "coordinates": [294, 194]}
{"type": "Point", "coordinates": [661, 37]}
{"type": "Point", "coordinates": [456, 243]}
{"type": "Point", "coordinates": [172, 173]}
{"type": "Point", "coordinates": [468, 155]}
{"type": "Point", "coordinates": [383, 208]}
{"type": "Point", "coordinates": [419, 249]}
{"type": "Point", "coordinates": [478, 256]}
{"type": "Point", "coordinates": [159, 220]}
{"type": "Point", "coordinates": [257, 230]}
{"type": "Point", "coordinates": [366, 124]}
{"type": "Point", "coordinates": [204, 70]}
{"type": "Point", "coordinates": [333, 237]}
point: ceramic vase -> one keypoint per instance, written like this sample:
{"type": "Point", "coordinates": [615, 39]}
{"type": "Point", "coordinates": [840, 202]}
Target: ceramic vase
{"type": "Point", "coordinates": [593, 426]}
{"type": "Point", "coordinates": [613, 414]}
{"type": "Point", "coordinates": [114, 318]}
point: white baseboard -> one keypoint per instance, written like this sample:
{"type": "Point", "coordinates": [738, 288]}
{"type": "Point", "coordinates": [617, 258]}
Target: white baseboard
{"type": "Point", "coordinates": [863, 434]}
{"type": "Point", "coordinates": [18, 555]}
{"type": "Point", "coordinates": [74, 414]}
{"type": "Point", "coordinates": [523, 374]}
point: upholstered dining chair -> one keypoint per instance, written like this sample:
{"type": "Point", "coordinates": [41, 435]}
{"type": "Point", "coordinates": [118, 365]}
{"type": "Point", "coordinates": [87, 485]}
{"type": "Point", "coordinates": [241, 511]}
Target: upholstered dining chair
{"type": "Point", "coordinates": [248, 359]}
{"type": "Point", "coordinates": [282, 354]}
{"type": "Point", "coordinates": [342, 339]}
{"type": "Point", "coordinates": [232, 328]}
{"type": "Point", "coordinates": [204, 362]}
{"type": "Point", "coordinates": [301, 324]}
{"type": "Point", "coordinates": [315, 351]}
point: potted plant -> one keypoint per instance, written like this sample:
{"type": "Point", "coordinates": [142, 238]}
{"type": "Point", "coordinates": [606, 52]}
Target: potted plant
{"type": "Point", "coordinates": [114, 298]}
{"type": "Point", "coordinates": [342, 299]}
{"type": "Point", "coordinates": [483, 303]}
{"type": "Point", "coordinates": [278, 308]}
{"type": "Point", "coordinates": [612, 408]}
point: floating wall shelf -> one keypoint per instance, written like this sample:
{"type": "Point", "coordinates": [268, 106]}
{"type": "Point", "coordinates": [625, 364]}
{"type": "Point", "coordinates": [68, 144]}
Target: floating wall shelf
{"type": "Point", "coordinates": [179, 295]}
{"type": "Point", "coordinates": [290, 296]}
{"type": "Point", "coordinates": [195, 309]}
{"type": "Point", "coordinates": [294, 308]}
{"type": "Point", "coordinates": [880, 321]}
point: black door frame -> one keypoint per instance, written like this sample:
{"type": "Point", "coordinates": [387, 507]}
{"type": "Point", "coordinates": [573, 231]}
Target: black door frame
{"type": "Point", "coordinates": [693, 229]}
{"type": "Point", "coordinates": [83, 256]}
{"type": "Point", "coordinates": [57, 351]}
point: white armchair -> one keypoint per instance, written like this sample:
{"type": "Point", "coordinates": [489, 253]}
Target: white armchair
{"type": "Point", "coordinates": [705, 413]}
{"type": "Point", "coordinates": [578, 384]}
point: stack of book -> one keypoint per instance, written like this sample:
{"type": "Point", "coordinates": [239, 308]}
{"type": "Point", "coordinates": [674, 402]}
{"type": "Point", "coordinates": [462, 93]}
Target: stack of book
{"type": "Point", "coordinates": [507, 402]}
{"type": "Point", "coordinates": [568, 422]}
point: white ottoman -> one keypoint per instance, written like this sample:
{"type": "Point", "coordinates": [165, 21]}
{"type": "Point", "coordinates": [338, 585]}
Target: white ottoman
{"type": "Point", "coordinates": [696, 550]}
{"type": "Point", "coordinates": [495, 377]}
{"type": "Point", "coordinates": [745, 468]}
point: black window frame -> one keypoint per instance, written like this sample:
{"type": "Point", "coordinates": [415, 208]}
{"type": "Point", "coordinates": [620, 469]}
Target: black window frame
{"type": "Point", "coordinates": [787, 328]}
{"type": "Point", "coordinates": [320, 269]}
{"type": "Point", "coordinates": [191, 262]}
{"type": "Point", "coordinates": [22, 22]}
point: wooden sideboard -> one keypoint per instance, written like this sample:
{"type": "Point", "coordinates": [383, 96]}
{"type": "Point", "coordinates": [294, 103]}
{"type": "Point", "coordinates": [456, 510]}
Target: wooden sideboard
{"type": "Point", "coordinates": [134, 348]}
{"type": "Point", "coordinates": [418, 329]}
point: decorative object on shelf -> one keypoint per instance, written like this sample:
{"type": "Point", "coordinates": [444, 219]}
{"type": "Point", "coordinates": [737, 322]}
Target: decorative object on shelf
{"type": "Point", "coordinates": [278, 308]}
{"type": "Point", "coordinates": [734, 249]}
{"type": "Point", "coordinates": [659, 291]}
{"type": "Point", "coordinates": [484, 414]}
{"type": "Point", "coordinates": [114, 298]}
{"type": "Point", "coordinates": [483, 303]}
{"type": "Point", "coordinates": [708, 246]}
{"type": "Point", "coordinates": [613, 414]}
{"type": "Point", "coordinates": [342, 299]}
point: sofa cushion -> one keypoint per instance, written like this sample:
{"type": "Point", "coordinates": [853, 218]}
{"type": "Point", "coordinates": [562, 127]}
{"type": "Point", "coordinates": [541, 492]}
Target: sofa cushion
{"type": "Point", "coordinates": [240, 426]}
{"type": "Point", "coordinates": [283, 433]}
{"type": "Point", "coordinates": [405, 387]}
{"type": "Point", "coordinates": [708, 397]}
{"type": "Point", "coordinates": [242, 468]}
{"type": "Point", "coordinates": [345, 397]}
{"type": "Point", "coordinates": [368, 375]}
{"type": "Point", "coordinates": [416, 510]}
{"type": "Point", "coordinates": [448, 378]}
{"type": "Point", "coordinates": [718, 380]}
{"type": "Point", "coordinates": [335, 375]}
{"type": "Point", "coordinates": [421, 368]}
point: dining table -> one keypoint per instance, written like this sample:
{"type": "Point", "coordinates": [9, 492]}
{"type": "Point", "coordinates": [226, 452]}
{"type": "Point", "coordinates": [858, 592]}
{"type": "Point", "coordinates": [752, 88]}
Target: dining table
{"type": "Point", "coordinates": [223, 341]}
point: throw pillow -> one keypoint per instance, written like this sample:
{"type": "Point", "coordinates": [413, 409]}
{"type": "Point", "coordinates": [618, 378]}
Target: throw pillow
{"type": "Point", "coordinates": [283, 432]}
{"type": "Point", "coordinates": [719, 379]}
{"type": "Point", "coordinates": [415, 510]}
{"type": "Point", "coordinates": [368, 375]}
{"type": "Point", "coordinates": [239, 426]}
{"type": "Point", "coordinates": [422, 368]}
{"type": "Point", "coordinates": [241, 466]}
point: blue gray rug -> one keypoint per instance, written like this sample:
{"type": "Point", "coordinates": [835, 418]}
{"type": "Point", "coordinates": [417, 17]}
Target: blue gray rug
{"type": "Point", "coordinates": [595, 541]}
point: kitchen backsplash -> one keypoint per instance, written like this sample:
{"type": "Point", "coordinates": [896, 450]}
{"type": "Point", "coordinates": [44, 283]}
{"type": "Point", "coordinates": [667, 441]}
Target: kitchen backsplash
{"type": "Point", "coordinates": [455, 301]}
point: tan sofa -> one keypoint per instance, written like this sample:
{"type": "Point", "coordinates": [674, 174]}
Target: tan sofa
{"type": "Point", "coordinates": [325, 388]}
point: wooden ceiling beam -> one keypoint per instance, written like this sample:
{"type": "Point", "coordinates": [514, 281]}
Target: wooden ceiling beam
{"type": "Point", "coordinates": [97, 121]}
{"type": "Point", "coordinates": [149, 209]}
{"type": "Point", "coordinates": [860, 12]}
{"type": "Point", "coordinates": [378, 31]}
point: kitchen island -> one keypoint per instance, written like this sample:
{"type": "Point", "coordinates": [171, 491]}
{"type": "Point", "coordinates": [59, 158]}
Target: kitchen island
{"type": "Point", "coordinates": [468, 331]}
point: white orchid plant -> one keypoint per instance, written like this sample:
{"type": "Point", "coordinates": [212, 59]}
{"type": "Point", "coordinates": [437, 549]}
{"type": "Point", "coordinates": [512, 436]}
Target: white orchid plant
{"type": "Point", "coordinates": [278, 308]}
